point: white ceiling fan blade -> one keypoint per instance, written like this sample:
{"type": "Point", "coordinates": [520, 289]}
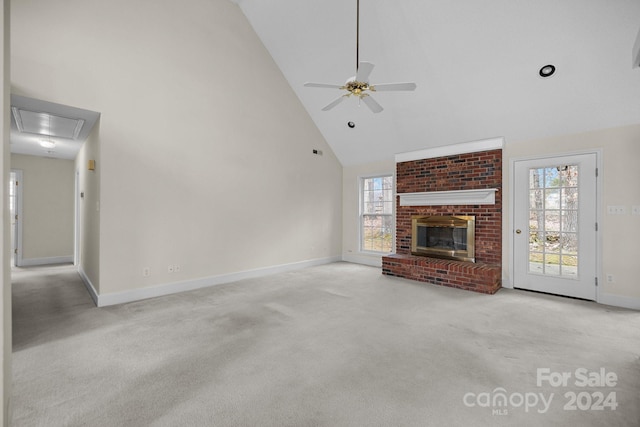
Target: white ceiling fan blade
{"type": "Point", "coordinates": [364, 69]}
{"type": "Point", "coordinates": [334, 103]}
{"type": "Point", "coordinates": [372, 104]}
{"type": "Point", "coordinates": [393, 86]}
{"type": "Point", "coordinates": [327, 85]}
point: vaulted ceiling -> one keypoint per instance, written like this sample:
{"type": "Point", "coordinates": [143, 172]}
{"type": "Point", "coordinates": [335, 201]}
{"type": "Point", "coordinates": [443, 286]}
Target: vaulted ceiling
{"type": "Point", "coordinates": [475, 63]}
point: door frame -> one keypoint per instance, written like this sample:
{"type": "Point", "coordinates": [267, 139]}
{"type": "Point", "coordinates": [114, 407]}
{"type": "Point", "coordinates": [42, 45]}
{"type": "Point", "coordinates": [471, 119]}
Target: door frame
{"type": "Point", "coordinates": [77, 221]}
{"type": "Point", "coordinates": [512, 195]}
{"type": "Point", "coordinates": [19, 211]}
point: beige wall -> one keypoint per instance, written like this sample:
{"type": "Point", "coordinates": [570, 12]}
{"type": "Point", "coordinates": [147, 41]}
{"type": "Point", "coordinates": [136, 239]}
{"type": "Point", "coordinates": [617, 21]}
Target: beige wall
{"type": "Point", "coordinates": [351, 209]}
{"type": "Point", "coordinates": [89, 209]}
{"type": "Point", "coordinates": [620, 176]}
{"type": "Point", "coordinates": [47, 208]}
{"type": "Point", "coordinates": [205, 151]}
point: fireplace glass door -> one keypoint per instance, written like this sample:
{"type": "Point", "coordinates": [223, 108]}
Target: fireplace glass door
{"type": "Point", "coordinates": [447, 238]}
{"type": "Point", "coordinates": [450, 237]}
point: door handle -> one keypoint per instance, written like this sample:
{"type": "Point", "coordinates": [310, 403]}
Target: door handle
{"type": "Point", "coordinates": [518, 231]}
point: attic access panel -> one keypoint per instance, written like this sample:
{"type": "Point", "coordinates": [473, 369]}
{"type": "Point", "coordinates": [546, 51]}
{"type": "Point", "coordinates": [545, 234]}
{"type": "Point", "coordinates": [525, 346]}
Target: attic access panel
{"type": "Point", "coordinates": [47, 124]}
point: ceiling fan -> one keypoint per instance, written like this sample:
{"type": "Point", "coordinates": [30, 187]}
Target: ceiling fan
{"type": "Point", "coordinates": [359, 85]}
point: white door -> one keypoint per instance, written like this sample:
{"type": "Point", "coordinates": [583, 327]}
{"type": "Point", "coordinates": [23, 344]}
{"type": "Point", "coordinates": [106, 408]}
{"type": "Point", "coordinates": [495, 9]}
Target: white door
{"type": "Point", "coordinates": [555, 225]}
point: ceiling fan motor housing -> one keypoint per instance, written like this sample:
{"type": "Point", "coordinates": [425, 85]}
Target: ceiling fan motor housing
{"type": "Point", "coordinates": [356, 88]}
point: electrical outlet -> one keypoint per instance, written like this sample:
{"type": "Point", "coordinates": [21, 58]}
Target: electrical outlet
{"type": "Point", "coordinates": [170, 269]}
{"type": "Point", "coordinates": [146, 272]}
{"type": "Point", "coordinates": [635, 210]}
{"type": "Point", "coordinates": [617, 210]}
{"type": "Point", "coordinates": [611, 278]}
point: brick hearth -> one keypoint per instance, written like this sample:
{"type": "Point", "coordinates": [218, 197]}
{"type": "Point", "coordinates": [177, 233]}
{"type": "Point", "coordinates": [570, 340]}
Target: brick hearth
{"type": "Point", "coordinates": [478, 170]}
{"type": "Point", "coordinates": [484, 278]}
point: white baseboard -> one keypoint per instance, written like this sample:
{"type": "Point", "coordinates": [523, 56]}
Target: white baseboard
{"type": "Point", "coordinates": [31, 262]}
{"type": "Point", "coordinates": [371, 260]}
{"type": "Point", "coordinates": [88, 285]}
{"type": "Point", "coordinates": [619, 301]}
{"type": "Point", "coordinates": [103, 300]}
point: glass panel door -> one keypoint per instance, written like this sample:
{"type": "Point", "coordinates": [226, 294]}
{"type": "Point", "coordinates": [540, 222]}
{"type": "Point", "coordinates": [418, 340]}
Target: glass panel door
{"type": "Point", "coordinates": [554, 218]}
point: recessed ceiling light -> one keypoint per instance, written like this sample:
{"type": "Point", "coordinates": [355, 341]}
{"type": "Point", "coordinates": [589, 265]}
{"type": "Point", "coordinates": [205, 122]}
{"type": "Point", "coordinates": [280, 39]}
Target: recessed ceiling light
{"type": "Point", "coordinates": [351, 125]}
{"type": "Point", "coordinates": [547, 71]}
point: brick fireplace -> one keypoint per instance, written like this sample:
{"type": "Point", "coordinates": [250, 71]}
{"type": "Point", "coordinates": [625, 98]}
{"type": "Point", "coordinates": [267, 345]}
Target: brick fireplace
{"type": "Point", "coordinates": [460, 181]}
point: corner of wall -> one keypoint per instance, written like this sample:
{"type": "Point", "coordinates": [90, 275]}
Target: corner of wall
{"type": "Point", "coordinates": [364, 259]}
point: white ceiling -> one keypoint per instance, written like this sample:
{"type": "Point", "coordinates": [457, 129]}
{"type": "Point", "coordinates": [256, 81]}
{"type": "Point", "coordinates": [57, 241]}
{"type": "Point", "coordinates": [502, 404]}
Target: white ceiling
{"type": "Point", "coordinates": [67, 127]}
{"type": "Point", "coordinates": [475, 63]}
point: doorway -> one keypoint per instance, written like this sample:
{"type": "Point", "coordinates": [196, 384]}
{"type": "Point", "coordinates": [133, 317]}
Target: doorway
{"type": "Point", "coordinates": [555, 225]}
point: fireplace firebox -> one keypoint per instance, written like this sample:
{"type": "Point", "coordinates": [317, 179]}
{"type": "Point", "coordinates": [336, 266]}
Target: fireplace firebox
{"type": "Point", "coordinates": [449, 237]}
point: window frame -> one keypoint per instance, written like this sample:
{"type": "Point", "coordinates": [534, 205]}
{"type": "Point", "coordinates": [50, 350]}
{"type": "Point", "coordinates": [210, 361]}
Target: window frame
{"type": "Point", "coordinates": [362, 214]}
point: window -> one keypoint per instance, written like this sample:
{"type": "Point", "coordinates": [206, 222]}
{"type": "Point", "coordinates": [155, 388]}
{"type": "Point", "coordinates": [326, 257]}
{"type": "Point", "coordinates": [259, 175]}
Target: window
{"type": "Point", "coordinates": [376, 214]}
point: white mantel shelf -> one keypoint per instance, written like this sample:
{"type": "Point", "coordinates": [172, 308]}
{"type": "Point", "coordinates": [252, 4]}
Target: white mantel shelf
{"type": "Point", "coordinates": [484, 196]}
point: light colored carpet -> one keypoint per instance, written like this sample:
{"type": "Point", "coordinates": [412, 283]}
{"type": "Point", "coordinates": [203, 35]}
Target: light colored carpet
{"type": "Point", "coordinates": [335, 345]}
